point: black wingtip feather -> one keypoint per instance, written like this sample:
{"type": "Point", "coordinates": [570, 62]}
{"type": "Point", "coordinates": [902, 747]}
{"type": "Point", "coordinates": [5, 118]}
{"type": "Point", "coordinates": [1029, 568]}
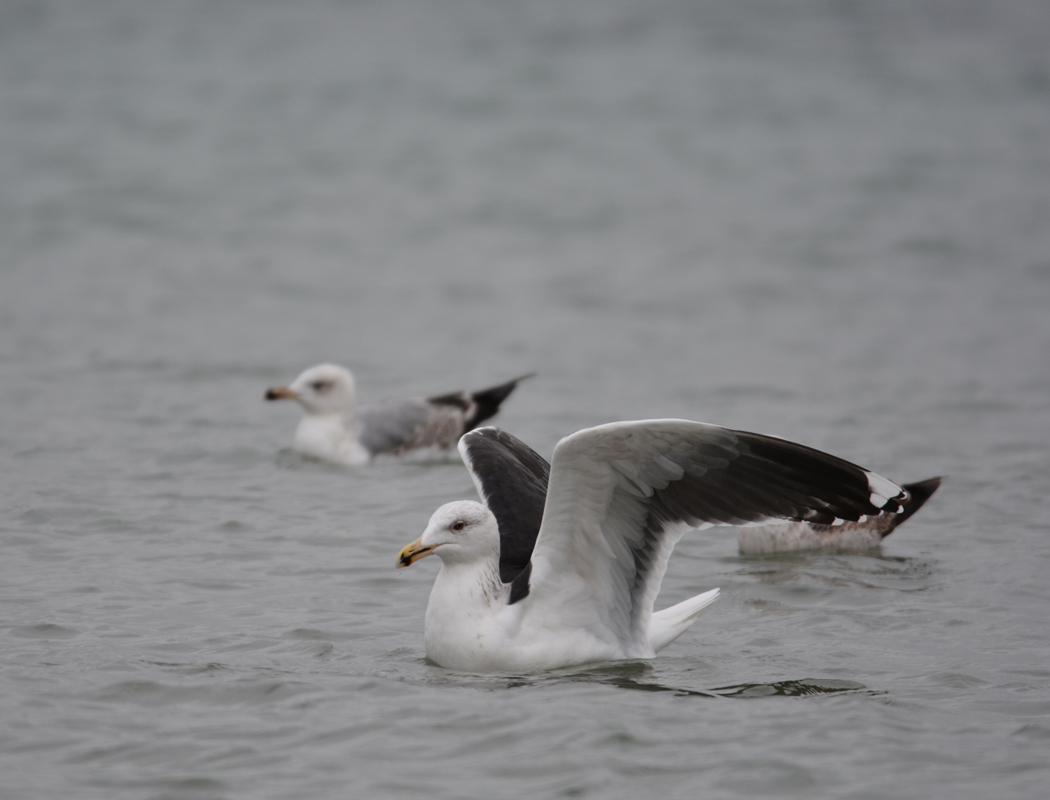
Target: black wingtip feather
{"type": "Point", "coordinates": [918, 494]}
{"type": "Point", "coordinates": [487, 401]}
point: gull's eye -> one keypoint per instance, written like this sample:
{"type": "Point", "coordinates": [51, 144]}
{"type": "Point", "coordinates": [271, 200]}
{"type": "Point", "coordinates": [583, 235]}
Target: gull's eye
{"type": "Point", "coordinates": [458, 526]}
{"type": "Point", "coordinates": [321, 386]}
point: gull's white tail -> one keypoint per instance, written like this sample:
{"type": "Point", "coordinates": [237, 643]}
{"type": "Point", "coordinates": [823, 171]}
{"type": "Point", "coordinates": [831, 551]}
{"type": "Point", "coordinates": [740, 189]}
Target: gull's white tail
{"type": "Point", "coordinates": [669, 624]}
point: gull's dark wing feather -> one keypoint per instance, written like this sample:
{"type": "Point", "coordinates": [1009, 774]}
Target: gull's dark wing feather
{"type": "Point", "coordinates": [511, 478]}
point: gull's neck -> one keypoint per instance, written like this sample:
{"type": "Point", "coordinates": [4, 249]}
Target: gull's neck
{"type": "Point", "coordinates": [461, 620]}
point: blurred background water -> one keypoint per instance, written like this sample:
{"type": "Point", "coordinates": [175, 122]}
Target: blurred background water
{"type": "Point", "coordinates": [828, 221]}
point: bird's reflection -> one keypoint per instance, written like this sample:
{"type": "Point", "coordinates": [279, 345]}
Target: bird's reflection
{"type": "Point", "coordinates": [632, 676]}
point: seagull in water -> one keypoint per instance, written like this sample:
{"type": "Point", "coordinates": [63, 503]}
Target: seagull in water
{"type": "Point", "coordinates": [562, 563]}
{"type": "Point", "coordinates": [336, 429]}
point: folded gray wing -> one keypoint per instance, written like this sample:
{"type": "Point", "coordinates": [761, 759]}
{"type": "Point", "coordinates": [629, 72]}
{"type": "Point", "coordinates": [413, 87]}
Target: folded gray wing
{"type": "Point", "coordinates": [621, 495]}
{"type": "Point", "coordinates": [511, 479]}
{"type": "Point", "coordinates": [396, 426]}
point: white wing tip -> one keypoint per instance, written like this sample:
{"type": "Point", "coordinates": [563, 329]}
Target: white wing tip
{"type": "Point", "coordinates": [463, 440]}
{"type": "Point", "coordinates": [882, 489]}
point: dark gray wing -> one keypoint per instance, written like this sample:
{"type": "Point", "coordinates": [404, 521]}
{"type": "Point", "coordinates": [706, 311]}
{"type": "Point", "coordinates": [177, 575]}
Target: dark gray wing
{"type": "Point", "coordinates": [511, 478]}
{"type": "Point", "coordinates": [740, 478]}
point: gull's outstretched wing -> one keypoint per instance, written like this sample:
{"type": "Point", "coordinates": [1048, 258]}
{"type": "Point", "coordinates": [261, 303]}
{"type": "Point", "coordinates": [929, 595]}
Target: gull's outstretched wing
{"type": "Point", "coordinates": [621, 495]}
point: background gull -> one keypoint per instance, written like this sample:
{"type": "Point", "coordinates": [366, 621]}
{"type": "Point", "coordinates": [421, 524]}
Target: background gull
{"type": "Point", "coordinates": [335, 429]}
{"type": "Point", "coordinates": [618, 497]}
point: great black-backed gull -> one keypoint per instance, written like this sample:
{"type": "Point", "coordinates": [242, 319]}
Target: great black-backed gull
{"type": "Point", "coordinates": [335, 429]}
{"type": "Point", "coordinates": [562, 564]}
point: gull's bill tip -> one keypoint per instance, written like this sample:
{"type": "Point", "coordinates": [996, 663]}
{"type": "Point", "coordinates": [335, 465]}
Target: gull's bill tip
{"type": "Point", "coordinates": [281, 393]}
{"type": "Point", "coordinates": [411, 553]}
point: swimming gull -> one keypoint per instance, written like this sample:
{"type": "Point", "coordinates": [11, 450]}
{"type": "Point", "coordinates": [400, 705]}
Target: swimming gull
{"type": "Point", "coordinates": [335, 429]}
{"type": "Point", "coordinates": [562, 567]}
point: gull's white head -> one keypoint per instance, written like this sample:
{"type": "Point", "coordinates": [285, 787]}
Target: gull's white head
{"type": "Point", "coordinates": [459, 532]}
{"type": "Point", "coordinates": [324, 389]}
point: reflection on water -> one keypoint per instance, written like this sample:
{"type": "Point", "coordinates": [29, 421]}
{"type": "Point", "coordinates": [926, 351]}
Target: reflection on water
{"type": "Point", "coordinates": [870, 570]}
{"type": "Point", "coordinates": [802, 688]}
{"type": "Point", "coordinates": [630, 675]}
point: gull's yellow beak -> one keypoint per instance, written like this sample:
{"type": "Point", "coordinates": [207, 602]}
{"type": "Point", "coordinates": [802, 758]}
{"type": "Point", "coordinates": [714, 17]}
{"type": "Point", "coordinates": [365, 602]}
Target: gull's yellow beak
{"type": "Point", "coordinates": [281, 393]}
{"type": "Point", "coordinates": [411, 553]}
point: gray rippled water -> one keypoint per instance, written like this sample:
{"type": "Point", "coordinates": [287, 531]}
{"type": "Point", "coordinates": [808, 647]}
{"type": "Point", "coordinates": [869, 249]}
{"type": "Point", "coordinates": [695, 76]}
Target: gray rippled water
{"type": "Point", "coordinates": [829, 222]}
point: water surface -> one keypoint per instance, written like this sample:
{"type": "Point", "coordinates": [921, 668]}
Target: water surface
{"type": "Point", "coordinates": [827, 223]}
